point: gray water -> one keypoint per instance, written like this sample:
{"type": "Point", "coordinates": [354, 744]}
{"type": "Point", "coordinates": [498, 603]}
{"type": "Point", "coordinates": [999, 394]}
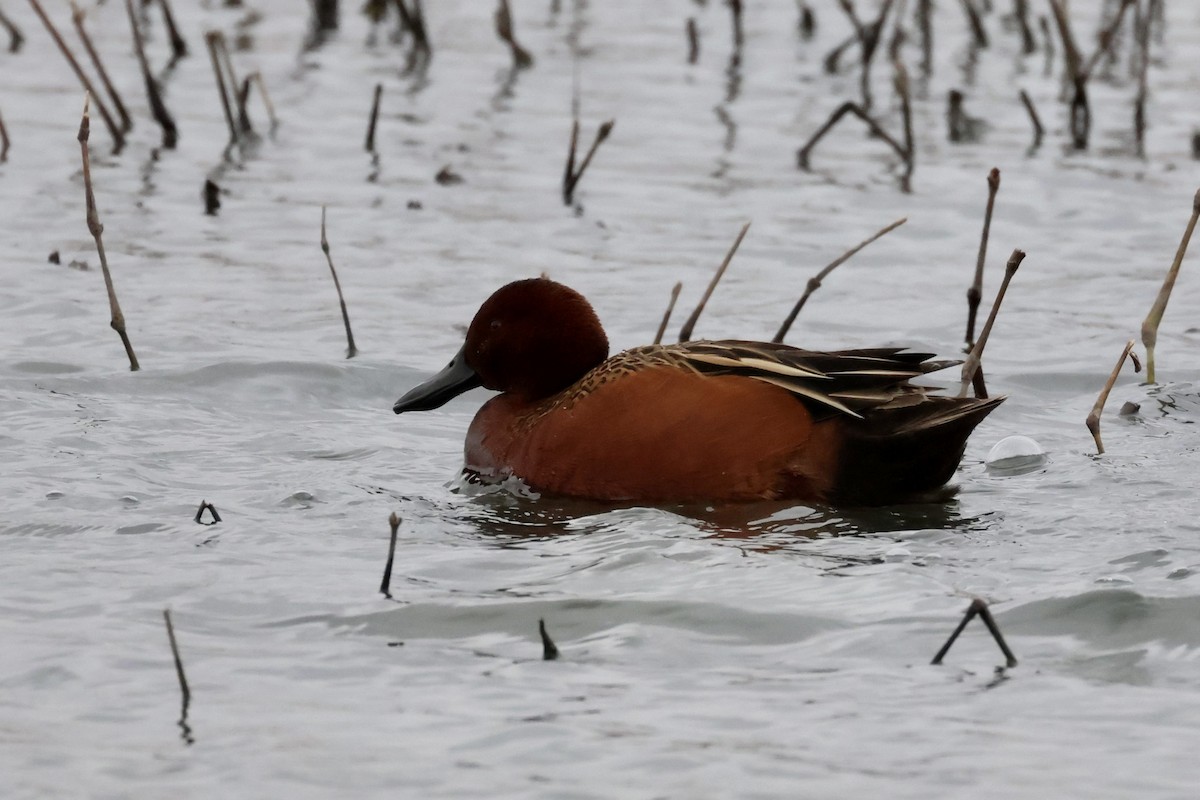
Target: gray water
{"type": "Point", "coordinates": [743, 651]}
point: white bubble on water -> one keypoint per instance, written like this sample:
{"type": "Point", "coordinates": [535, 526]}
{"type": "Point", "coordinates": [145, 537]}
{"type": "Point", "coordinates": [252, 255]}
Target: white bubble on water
{"type": "Point", "coordinates": [1015, 455]}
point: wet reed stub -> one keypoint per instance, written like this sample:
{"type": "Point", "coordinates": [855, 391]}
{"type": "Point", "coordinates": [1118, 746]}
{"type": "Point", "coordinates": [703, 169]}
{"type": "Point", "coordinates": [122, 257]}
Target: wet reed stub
{"type": "Point", "coordinates": [185, 730]}
{"type": "Point", "coordinates": [369, 146]}
{"type": "Point", "coordinates": [1034, 120]}
{"type": "Point", "coordinates": [351, 350]}
{"type": "Point", "coordinates": [806, 25]}
{"type": "Point", "coordinates": [117, 321]}
{"type": "Point", "coordinates": [158, 109]}
{"type": "Point", "coordinates": [214, 517]}
{"type": "Point", "coordinates": [1093, 418]}
{"type": "Point", "coordinates": [693, 40]}
{"type": "Point", "coordinates": [215, 40]}
{"type": "Point", "coordinates": [978, 608]}
{"type": "Point", "coordinates": [549, 648]}
{"type": "Point", "coordinates": [572, 176]}
{"type": "Point", "coordinates": [504, 29]}
{"type": "Point", "coordinates": [3, 141]}
{"type": "Point", "coordinates": [385, 586]}
{"type": "Point", "coordinates": [212, 197]}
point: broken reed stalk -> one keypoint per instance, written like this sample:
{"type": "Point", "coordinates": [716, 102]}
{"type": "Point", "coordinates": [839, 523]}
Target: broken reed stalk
{"type": "Point", "coordinates": [573, 178]}
{"type": "Point", "coordinates": [685, 333]}
{"type": "Point", "coordinates": [209, 507]}
{"type": "Point", "coordinates": [170, 133]}
{"type": "Point", "coordinates": [980, 609]}
{"type": "Point", "coordinates": [1154, 318]}
{"type": "Point", "coordinates": [118, 136]}
{"type": "Point", "coordinates": [971, 364]}
{"type": "Point", "coordinates": [15, 37]}
{"type": "Point", "coordinates": [975, 291]}
{"type": "Point", "coordinates": [1033, 118]}
{"type": "Point", "coordinates": [179, 47]}
{"type": "Point", "coordinates": [549, 648]}
{"type": "Point", "coordinates": [351, 350]}
{"type": "Point", "coordinates": [370, 143]}
{"type": "Point", "coordinates": [262, 90]}
{"type": "Point", "coordinates": [978, 33]}
{"type": "Point", "coordinates": [1093, 419]}
{"type": "Point", "coordinates": [184, 691]}
{"type": "Point", "coordinates": [77, 16]}
{"type": "Point", "coordinates": [385, 586]}
{"type": "Point", "coordinates": [802, 155]}
{"type": "Point", "coordinates": [211, 38]}
{"type": "Point", "coordinates": [93, 222]}
{"type": "Point", "coordinates": [662, 326]}
{"type": "Point", "coordinates": [504, 29]}
{"type": "Point", "coordinates": [693, 40]}
{"type": "Point", "coordinates": [814, 282]}
{"type": "Point", "coordinates": [3, 141]}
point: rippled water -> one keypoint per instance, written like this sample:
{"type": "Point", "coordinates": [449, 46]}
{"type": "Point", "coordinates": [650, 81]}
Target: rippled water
{"type": "Point", "coordinates": [750, 651]}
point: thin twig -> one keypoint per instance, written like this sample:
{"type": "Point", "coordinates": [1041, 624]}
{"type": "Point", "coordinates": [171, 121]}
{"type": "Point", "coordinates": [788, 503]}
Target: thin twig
{"type": "Point", "coordinates": [662, 326]}
{"type": "Point", "coordinates": [170, 133]}
{"type": "Point", "coordinates": [93, 222]}
{"type": "Point", "coordinates": [351, 350]}
{"type": "Point", "coordinates": [802, 155]}
{"type": "Point", "coordinates": [980, 609]}
{"type": "Point", "coordinates": [186, 731]}
{"type": "Point", "coordinates": [370, 144]}
{"type": "Point", "coordinates": [385, 586]}
{"type": "Point", "coordinates": [601, 134]}
{"type": "Point", "coordinates": [77, 16]}
{"type": "Point", "coordinates": [971, 365]}
{"type": "Point", "coordinates": [685, 333]}
{"type": "Point", "coordinates": [1154, 318]}
{"type": "Point", "coordinates": [569, 172]}
{"type": "Point", "coordinates": [1093, 419]}
{"type": "Point", "coordinates": [117, 136]}
{"type": "Point", "coordinates": [814, 282]}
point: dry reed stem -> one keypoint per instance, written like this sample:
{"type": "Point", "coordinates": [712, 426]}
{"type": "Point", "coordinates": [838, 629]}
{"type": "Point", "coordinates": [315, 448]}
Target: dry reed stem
{"type": "Point", "coordinates": [370, 143]}
{"type": "Point", "coordinates": [1093, 419]}
{"type": "Point", "coordinates": [77, 16]}
{"type": "Point", "coordinates": [183, 684]}
{"type": "Point", "coordinates": [385, 586]}
{"type": "Point", "coordinates": [549, 649]}
{"type": "Point", "coordinates": [814, 282]}
{"type": "Point", "coordinates": [15, 37]}
{"type": "Point", "coordinates": [351, 350]}
{"type": "Point", "coordinates": [1154, 318]}
{"type": "Point", "coordinates": [569, 170]}
{"type": "Point", "coordinates": [1033, 118]}
{"type": "Point", "coordinates": [170, 133]}
{"type": "Point", "coordinates": [118, 136]}
{"type": "Point", "coordinates": [3, 141]}
{"type": "Point", "coordinates": [1021, 12]}
{"type": "Point", "coordinates": [910, 150]}
{"type": "Point", "coordinates": [211, 38]}
{"type": "Point", "coordinates": [572, 179]}
{"type": "Point", "coordinates": [802, 155]}
{"type": "Point", "coordinates": [975, 291]}
{"type": "Point", "coordinates": [978, 33]}
{"type": "Point", "coordinates": [685, 333]}
{"type": "Point", "coordinates": [262, 90]}
{"type": "Point", "coordinates": [244, 125]}
{"type": "Point", "coordinates": [179, 47]}
{"type": "Point", "coordinates": [693, 40]}
{"type": "Point", "coordinates": [662, 326]}
{"type": "Point", "coordinates": [1107, 36]}
{"type": "Point", "coordinates": [980, 609]}
{"type": "Point", "coordinates": [807, 24]}
{"type": "Point", "coordinates": [117, 322]}
{"type": "Point", "coordinates": [504, 29]}
{"type": "Point", "coordinates": [971, 364]}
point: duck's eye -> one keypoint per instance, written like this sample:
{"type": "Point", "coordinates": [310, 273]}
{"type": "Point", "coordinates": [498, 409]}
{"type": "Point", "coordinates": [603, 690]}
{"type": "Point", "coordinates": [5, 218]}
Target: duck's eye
{"type": "Point", "coordinates": [495, 324]}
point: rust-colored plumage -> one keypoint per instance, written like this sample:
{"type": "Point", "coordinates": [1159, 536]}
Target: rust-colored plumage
{"type": "Point", "coordinates": [696, 421]}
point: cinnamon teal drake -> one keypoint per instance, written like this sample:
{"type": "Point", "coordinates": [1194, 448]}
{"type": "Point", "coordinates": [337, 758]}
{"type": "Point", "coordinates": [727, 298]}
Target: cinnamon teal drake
{"type": "Point", "coordinates": [695, 421]}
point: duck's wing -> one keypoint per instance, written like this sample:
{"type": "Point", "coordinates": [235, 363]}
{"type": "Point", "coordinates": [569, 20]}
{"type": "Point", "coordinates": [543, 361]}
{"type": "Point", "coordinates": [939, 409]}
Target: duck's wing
{"type": "Point", "coordinates": [850, 382]}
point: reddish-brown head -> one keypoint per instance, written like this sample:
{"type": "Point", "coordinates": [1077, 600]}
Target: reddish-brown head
{"type": "Point", "coordinates": [533, 338]}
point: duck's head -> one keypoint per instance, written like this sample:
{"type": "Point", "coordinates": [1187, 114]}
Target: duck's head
{"type": "Point", "coordinates": [531, 339]}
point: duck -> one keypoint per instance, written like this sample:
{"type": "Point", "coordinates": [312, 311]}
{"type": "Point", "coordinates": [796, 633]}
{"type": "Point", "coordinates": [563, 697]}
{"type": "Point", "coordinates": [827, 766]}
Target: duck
{"type": "Point", "coordinates": [697, 421]}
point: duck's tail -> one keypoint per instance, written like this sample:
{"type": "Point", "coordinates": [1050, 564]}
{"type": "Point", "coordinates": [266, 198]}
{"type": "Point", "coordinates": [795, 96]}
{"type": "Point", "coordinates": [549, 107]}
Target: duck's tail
{"type": "Point", "coordinates": [907, 452]}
